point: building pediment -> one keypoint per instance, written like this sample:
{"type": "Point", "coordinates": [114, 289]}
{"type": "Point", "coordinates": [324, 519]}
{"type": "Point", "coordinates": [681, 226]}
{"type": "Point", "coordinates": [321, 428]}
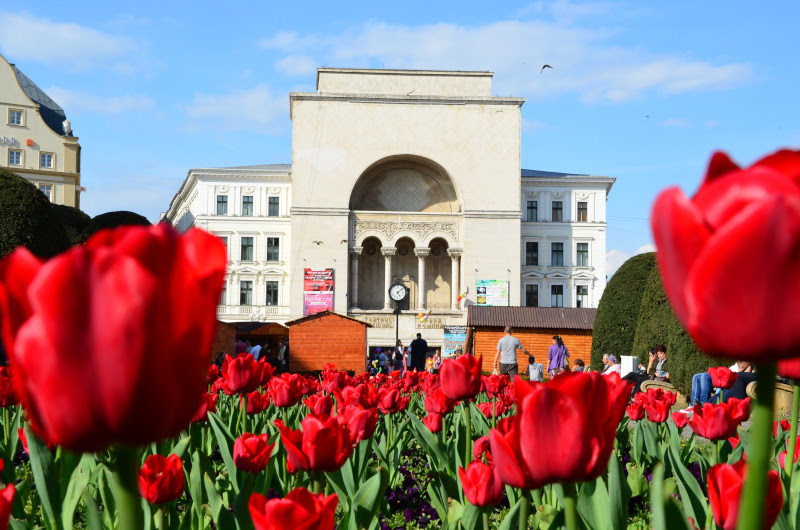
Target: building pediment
{"type": "Point", "coordinates": [557, 275]}
{"type": "Point", "coordinates": [583, 275]}
{"type": "Point", "coordinates": [533, 275]}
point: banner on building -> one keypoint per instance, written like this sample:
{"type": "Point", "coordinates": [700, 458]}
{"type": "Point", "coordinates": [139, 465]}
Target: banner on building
{"type": "Point", "coordinates": [317, 291]}
{"type": "Point", "coordinates": [454, 337]}
{"type": "Point", "coordinates": [491, 292]}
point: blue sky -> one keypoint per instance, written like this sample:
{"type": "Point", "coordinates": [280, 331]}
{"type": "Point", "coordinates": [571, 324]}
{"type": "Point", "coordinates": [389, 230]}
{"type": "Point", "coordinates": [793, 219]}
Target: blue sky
{"type": "Point", "coordinates": [643, 92]}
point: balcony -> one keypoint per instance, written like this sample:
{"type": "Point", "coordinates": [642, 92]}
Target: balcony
{"type": "Point", "coordinates": [252, 312]}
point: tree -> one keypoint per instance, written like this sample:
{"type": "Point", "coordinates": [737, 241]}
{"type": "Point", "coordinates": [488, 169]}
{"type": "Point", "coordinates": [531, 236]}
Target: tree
{"type": "Point", "coordinates": [75, 222]}
{"type": "Point", "coordinates": [618, 311]}
{"type": "Point", "coordinates": [115, 219]}
{"type": "Point", "coordinates": [27, 219]}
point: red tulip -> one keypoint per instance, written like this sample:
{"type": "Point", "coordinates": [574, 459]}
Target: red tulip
{"type": "Point", "coordinates": [6, 501]}
{"type": "Point", "coordinates": [784, 454]}
{"type": "Point", "coordinates": [739, 409]}
{"type": "Point", "coordinates": [635, 411]}
{"type": "Point", "coordinates": [161, 479]}
{"type": "Point", "coordinates": [242, 373]}
{"type": "Point", "coordinates": [109, 340]}
{"type": "Point", "coordinates": [789, 368]}
{"type": "Point", "coordinates": [285, 390]}
{"type": "Point", "coordinates": [23, 439]}
{"type": "Point", "coordinates": [251, 453]}
{"type": "Point", "coordinates": [389, 400]}
{"type": "Point", "coordinates": [481, 483]}
{"type": "Point", "coordinates": [491, 409]}
{"type": "Point", "coordinates": [785, 425]}
{"type": "Point", "coordinates": [212, 374]}
{"type": "Point", "coordinates": [495, 383]}
{"type": "Point", "coordinates": [481, 447]}
{"type": "Point", "coordinates": [319, 404]}
{"type": "Point", "coordinates": [657, 411]}
{"type": "Point", "coordinates": [360, 421]}
{"type": "Point", "coordinates": [257, 402]}
{"type": "Point", "coordinates": [300, 510]}
{"type": "Point", "coordinates": [8, 396]}
{"type": "Point", "coordinates": [324, 444]}
{"type": "Point", "coordinates": [722, 377]}
{"type": "Point", "coordinates": [433, 422]}
{"type": "Point", "coordinates": [724, 488]}
{"type": "Point", "coordinates": [713, 421]}
{"type": "Point", "coordinates": [576, 434]}
{"type": "Point", "coordinates": [702, 248]}
{"type": "Point", "coordinates": [680, 419]}
{"type": "Point", "coordinates": [208, 404]}
{"type": "Point", "coordinates": [438, 402]}
{"type": "Point", "coordinates": [461, 378]}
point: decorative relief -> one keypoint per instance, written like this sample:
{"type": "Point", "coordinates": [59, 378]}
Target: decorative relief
{"type": "Point", "coordinates": [248, 189]}
{"type": "Point", "coordinates": [388, 251]}
{"type": "Point", "coordinates": [223, 189]}
{"type": "Point", "coordinates": [379, 322]}
{"type": "Point", "coordinates": [557, 194]}
{"type": "Point", "coordinates": [273, 191]}
{"type": "Point", "coordinates": [358, 250]}
{"type": "Point", "coordinates": [422, 252]}
{"type": "Point", "coordinates": [532, 194]}
{"type": "Point", "coordinates": [583, 195]}
{"type": "Point", "coordinates": [422, 229]}
{"type": "Point", "coordinates": [431, 323]}
{"type": "Point", "coordinates": [455, 252]}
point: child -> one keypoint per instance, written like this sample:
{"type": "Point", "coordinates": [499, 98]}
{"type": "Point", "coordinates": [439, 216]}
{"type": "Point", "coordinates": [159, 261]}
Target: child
{"type": "Point", "coordinates": [535, 370]}
{"type": "Point", "coordinates": [580, 366]}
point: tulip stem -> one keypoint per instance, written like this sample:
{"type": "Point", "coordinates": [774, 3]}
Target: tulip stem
{"type": "Point", "coordinates": [159, 518]}
{"type": "Point", "coordinates": [6, 426]}
{"type": "Point", "coordinates": [571, 505]}
{"type": "Point", "coordinates": [751, 513]}
{"type": "Point", "coordinates": [523, 510]}
{"type": "Point", "coordinates": [494, 412]}
{"type": "Point", "coordinates": [128, 500]}
{"type": "Point", "coordinates": [468, 440]}
{"type": "Point", "coordinates": [244, 413]}
{"type": "Point", "coordinates": [793, 431]}
{"type": "Point", "coordinates": [486, 519]}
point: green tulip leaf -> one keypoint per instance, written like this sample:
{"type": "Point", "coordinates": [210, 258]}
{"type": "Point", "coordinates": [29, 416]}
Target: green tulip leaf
{"type": "Point", "coordinates": [593, 505]}
{"type": "Point", "coordinates": [618, 494]}
{"type": "Point", "coordinates": [694, 500]}
{"type": "Point", "coordinates": [45, 478]}
{"type": "Point", "coordinates": [219, 512]}
{"type": "Point", "coordinates": [470, 516]}
{"type": "Point", "coordinates": [511, 520]}
{"type": "Point", "coordinates": [429, 442]}
{"type": "Point", "coordinates": [196, 485]}
{"type": "Point", "coordinates": [225, 443]}
{"type": "Point", "coordinates": [637, 449]}
{"type": "Point", "coordinates": [76, 486]}
{"type": "Point", "coordinates": [366, 501]}
{"type": "Point", "coordinates": [480, 422]}
{"type": "Point", "coordinates": [93, 521]}
{"type": "Point", "coordinates": [180, 447]}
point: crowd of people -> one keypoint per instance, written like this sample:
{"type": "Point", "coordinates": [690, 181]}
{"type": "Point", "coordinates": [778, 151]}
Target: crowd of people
{"type": "Point", "coordinates": [274, 353]}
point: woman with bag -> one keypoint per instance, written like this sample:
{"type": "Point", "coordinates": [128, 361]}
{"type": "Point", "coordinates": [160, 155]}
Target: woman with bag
{"type": "Point", "coordinates": [558, 355]}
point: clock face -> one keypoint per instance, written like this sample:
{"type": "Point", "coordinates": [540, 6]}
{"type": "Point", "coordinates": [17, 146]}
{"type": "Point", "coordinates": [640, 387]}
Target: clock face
{"type": "Point", "coordinates": [397, 292]}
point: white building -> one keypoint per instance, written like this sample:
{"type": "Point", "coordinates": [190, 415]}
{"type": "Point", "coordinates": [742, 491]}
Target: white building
{"type": "Point", "coordinates": [401, 176]}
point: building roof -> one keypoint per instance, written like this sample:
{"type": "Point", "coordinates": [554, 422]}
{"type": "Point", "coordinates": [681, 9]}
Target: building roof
{"type": "Point", "coordinates": [252, 327]}
{"type": "Point", "coordinates": [261, 167]}
{"type": "Point", "coordinates": [550, 174]}
{"type": "Point", "coordinates": [50, 111]}
{"type": "Point", "coordinates": [327, 312]}
{"type": "Point", "coordinates": [532, 317]}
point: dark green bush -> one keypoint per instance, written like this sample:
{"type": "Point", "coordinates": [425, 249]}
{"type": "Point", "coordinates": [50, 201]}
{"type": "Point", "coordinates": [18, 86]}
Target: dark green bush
{"type": "Point", "coordinates": [27, 219]}
{"type": "Point", "coordinates": [618, 311]}
{"type": "Point", "coordinates": [75, 222]}
{"type": "Point", "coordinates": [115, 219]}
{"type": "Point", "coordinates": [686, 359]}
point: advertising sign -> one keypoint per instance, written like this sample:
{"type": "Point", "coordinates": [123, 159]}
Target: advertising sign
{"type": "Point", "coordinates": [317, 290]}
{"type": "Point", "coordinates": [491, 292]}
{"type": "Point", "coordinates": [454, 336]}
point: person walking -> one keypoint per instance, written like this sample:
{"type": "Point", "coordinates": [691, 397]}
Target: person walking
{"type": "Point", "coordinates": [419, 350]}
{"type": "Point", "coordinates": [557, 355]}
{"type": "Point", "coordinates": [507, 354]}
{"type": "Point", "coordinates": [397, 357]}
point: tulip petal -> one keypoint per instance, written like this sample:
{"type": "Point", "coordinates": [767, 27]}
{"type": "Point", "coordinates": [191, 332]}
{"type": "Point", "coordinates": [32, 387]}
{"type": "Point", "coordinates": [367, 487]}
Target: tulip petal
{"type": "Point", "coordinates": [720, 165]}
{"type": "Point", "coordinates": [680, 234]}
{"type": "Point", "coordinates": [784, 161]}
{"type": "Point", "coordinates": [764, 238]}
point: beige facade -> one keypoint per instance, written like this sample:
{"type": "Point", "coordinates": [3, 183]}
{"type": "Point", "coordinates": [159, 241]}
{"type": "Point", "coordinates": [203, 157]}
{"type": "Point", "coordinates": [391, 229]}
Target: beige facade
{"type": "Point", "coordinates": [408, 177]}
{"type": "Point", "coordinates": [35, 142]}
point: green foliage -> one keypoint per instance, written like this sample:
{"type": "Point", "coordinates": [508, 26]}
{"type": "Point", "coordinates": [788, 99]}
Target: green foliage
{"type": "Point", "coordinates": [27, 219]}
{"type": "Point", "coordinates": [655, 318]}
{"type": "Point", "coordinates": [618, 311]}
{"type": "Point", "coordinates": [75, 222]}
{"type": "Point", "coordinates": [685, 358]}
{"type": "Point", "coordinates": [115, 219]}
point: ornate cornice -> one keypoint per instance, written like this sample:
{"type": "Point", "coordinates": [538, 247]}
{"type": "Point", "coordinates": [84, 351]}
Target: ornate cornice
{"type": "Point", "coordinates": [420, 228]}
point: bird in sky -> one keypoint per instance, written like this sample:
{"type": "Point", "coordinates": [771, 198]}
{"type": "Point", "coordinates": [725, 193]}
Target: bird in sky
{"type": "Point", "coordinates": [543, 67]}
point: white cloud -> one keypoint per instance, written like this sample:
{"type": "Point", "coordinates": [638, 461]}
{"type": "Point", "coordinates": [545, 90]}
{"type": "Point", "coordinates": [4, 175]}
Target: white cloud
{"type": "Point", "coordinates": [615, 258]}
{"type": "Point", "coordinates": [76, 102]}
{"type": "Point", "coordinates": [64, 44]}
{"type": "Point", "coordinates": [586, 61]}
{"type": "Point", "coordinates": [256, 109]}
{"type": "Point", "coordinates": [297, 65]}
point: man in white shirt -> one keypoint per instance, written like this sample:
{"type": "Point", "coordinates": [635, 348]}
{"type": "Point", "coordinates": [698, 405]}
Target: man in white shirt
{"type": "Point", "coordinates": [255, 351]}
{"type": "Point", "coordinates": [611, 365]}
{"type": "Point", "coordinates": [507, 354]}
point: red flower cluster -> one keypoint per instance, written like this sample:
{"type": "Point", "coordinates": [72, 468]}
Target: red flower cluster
{"type": "Point", "coordinates": [782, 457]}
{"type": "Point", "coordinates": [719, 422]}
{"type": "Point", "coordinates": [135, 304]}
{"type": "Point", "coordinates": [285, 390]}
{"type": "Point", "coordinates": [161, 479]}
{"type": "Point", "coordinates": [323, 444]}
{"type": "Point", "coordinates": [736, 212]}
{"type": "Point", "coordinates": [8, 396]}
{"type": "Point", "coordinates": [300, 510]}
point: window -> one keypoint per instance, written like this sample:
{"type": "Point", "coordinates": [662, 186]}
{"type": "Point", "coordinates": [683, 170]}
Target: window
{"type": "Point", "coordinates": [246, 293]}
{"type": "Point", "coordinates": [582, 296]}
{"type": "Point", "coordinates": [222, 205]}
{"type": "Point", "coordinates": [224, 240]}
{"type": "Point", "coordinates": [583, 254]}
{"type": "Point", "coordinates": [273, 249]}
{"type": "Point", "coordinates": [556, 254]}
{"type": "Point", "coordinates": [16, 117]}
{"type": "Point", "coordinates": [46, 160]}
{"type": "Point", "coordinates": [14, 157]}
{"type": "Point", "coordinates": [532, 253]}
{"type": "Point", "coordinates": [583, 212]}
{"type": "Point", "coordinates": [558, 210]}
{"type": "Point", "coordinates": [274, 207]}
{"type": "Point", "coordinates": [47, 189]}
{"type": "Point", "coordinates": [556, 296]}
{"type": "Point", "coordinates": [531, 295]}
{"type": "Point", "coordinates": [272, 293]}
{"type": "Point", "coordinates": [247, 205]}
{"type": "Point", "coordinates": [533, 211]}
{"type": "Point", "coordinates": [247, 249]}
{"type": "Point", "coordinates": [223, 297]}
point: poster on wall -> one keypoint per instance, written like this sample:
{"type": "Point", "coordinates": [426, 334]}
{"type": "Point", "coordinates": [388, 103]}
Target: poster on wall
{"type": "Point", "coordinates": [317, 290]}
{"type": "Point", "coordinates": [491, 292]}
{"type": "Point", "coordinates": [454, 337]}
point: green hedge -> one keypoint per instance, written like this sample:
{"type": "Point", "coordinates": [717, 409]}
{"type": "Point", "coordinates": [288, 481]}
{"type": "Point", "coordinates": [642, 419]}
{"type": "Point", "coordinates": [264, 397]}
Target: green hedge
{"type": "Point", "coordinates": [27, 219]}
{"type": "Point", "coordinates": [618, 311]}
{"type": "Point", "coordinates": [115, 219]}
{"type": "Point", "coordinates": [75, 223]}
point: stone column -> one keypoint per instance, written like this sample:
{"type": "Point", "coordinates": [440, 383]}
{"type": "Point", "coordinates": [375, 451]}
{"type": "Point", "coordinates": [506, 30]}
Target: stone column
{"type": "Point", "coordinates": [422, 298]}
{"type": "Point", "coordinates": [546, 289]}
{"type": "Point", "coordinates": [355, 252]}
{"type": "Point", "coordinates": [455, 280]}
{"type": "Point", "coordinates": [387, 252]}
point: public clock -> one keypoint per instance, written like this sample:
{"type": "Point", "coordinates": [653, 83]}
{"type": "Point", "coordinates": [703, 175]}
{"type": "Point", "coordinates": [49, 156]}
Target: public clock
{"type": "Point", "coordinates": [398, 292]}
